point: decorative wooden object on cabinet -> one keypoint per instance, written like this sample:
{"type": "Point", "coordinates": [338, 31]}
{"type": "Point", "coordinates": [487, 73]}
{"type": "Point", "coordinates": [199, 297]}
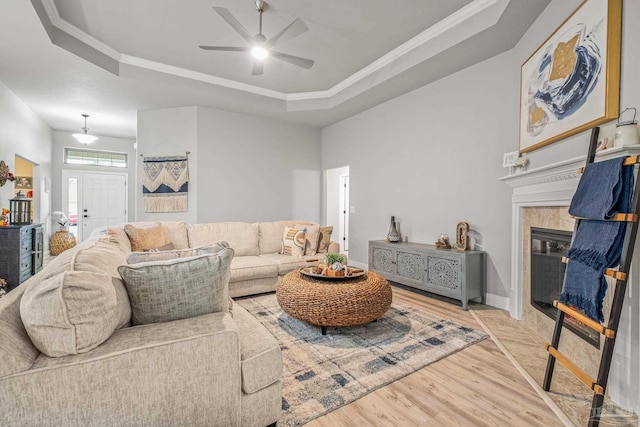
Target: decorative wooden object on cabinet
{"type": "Point", "coordinates": [21, 252]}
{"type": "Point", "coordinates": [451, 273]}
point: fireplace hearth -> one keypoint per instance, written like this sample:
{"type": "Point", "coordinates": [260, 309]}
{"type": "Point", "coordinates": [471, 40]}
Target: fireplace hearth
{"type": "Point", "coordinates": [548, 246]}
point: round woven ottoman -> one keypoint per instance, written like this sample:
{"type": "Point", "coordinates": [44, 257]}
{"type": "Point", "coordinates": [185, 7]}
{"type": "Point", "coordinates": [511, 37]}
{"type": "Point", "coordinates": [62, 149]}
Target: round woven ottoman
{"type": "Point", "coordinates": [325, 303]}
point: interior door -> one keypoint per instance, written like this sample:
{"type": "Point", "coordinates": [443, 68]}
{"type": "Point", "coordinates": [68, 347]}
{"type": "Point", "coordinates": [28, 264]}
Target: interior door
{"type": "Point", "coordinates": [343, 224]}
{"type": "Point", "coordinates": [104, 201]}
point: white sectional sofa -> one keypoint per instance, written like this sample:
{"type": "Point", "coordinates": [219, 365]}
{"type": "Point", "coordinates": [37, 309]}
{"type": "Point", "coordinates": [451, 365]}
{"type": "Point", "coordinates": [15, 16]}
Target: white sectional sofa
{"type": "Point", "coordinates": [222, 368]}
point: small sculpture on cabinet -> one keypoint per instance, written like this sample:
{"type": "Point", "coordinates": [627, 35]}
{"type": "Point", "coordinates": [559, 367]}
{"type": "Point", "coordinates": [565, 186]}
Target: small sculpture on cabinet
{"type": "Point", "coordinates": [462, 242]}
{"type": "Point", "coordinates": [443, 242]}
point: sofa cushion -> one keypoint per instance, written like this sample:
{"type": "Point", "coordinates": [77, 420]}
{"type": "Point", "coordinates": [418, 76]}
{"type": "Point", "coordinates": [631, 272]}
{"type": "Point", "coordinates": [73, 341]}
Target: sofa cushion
{"type": "Point", "coordinates": [325, 239]}
{"type": "Point", "coordinates": [288, 263]}
{"type": "Point", "coordinates": [145, 238]}
{"type": "Point", "coordinates": [293, 241]}
{"type": "Point", "coordinates": [252, 267]}
{"type": "Point", "coordinates": [105, 257]}
{"type": "Point", "coordinates": [17, 352]}
{"type": "Point", "coordinates": [260, 356]}
{"type": "Point", "coordinates": [175, 232]}
{"type": "Point", "coordinates": [180, 288]}
{"type": "Point", "coordinates": [242, 236]}
{"type": "Point", "coordinates": [137, 257]}
{"type": "Point", "coordinates": [70, 313]}
{"type": "Point", "coordinates": [312, 235]}
{"type": "Point", "coordinates": [271, 235]}
{"type": "Point", "coordinates": [120, 238]}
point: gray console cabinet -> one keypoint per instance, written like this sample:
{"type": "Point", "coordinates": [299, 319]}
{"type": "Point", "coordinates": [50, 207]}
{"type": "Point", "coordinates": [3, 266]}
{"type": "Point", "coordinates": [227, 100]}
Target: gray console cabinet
{"type": "Point", "coordinates": [451, 273]}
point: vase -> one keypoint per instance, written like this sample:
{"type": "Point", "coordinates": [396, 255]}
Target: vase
{"type": "Point", "coordinates": [393, 236]}
{"type": "Point", "coordinates": [61, 241]}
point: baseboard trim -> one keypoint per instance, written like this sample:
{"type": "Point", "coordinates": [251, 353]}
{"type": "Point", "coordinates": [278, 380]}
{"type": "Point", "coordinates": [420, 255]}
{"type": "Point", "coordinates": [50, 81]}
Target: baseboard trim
{"type": "Point", "coordinates": [497, 301]}
{"type": "Point", "coordinates": [359, 265]}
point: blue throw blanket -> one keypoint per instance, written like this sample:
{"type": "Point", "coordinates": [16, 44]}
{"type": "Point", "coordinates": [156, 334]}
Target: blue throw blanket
{"type": "Point", "coordinates": [604, 190]}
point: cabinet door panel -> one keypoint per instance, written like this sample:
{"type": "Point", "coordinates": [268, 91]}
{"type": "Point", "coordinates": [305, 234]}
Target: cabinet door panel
{"type": "Point", "coordinates": [382, 260]}
{"type": "Point", "coordinates": [444, 274]}
{"type": "Point", "coordinates": [409, 265]}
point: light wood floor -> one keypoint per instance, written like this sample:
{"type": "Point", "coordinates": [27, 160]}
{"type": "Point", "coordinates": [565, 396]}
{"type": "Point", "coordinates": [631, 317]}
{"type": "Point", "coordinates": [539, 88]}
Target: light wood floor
{"type": "Point", "coordinates": [478, 386]}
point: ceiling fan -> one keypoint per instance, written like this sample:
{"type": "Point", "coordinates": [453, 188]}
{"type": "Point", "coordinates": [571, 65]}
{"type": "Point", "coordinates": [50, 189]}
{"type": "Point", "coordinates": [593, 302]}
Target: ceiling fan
{"type": "Point", "coordinates": [259, 46]}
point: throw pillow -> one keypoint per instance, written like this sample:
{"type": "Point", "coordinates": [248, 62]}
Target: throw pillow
{"type": "Point", "coordinates": [293, 242]}
{"type": "Point", "coordinates": [325, 239]}
{"type": "Point", "coordinates": [312, 233]}
{"type": "Point", "coordinates": [143, 239]}
{"type": "Point", "coordinates": [179, 288]}
{"type": "Point", "coordinates": [70, 313]}
{"type": "Point", "coordinates": [167, 247]}
{"type": "Point", "coordinates": [213, 248]}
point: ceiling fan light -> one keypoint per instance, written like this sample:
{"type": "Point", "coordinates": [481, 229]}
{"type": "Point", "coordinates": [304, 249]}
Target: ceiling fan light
{"type": "Point", "coordinates": [259, 52]}
{"type": "Point", "coordinates": [84, 138]}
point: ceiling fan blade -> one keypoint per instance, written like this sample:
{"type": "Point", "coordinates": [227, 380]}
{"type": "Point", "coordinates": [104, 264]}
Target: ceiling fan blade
{"type": "Point", "coordinates": [292, 59]}
{"type": "Point", "coordinates": [235, 24]}
{"type": "Point", "coordinates": [226, 48]}
{"type": "Point", "coordinates": [258, 68]}
{"type": "Point", "coordinates": [292, 30]}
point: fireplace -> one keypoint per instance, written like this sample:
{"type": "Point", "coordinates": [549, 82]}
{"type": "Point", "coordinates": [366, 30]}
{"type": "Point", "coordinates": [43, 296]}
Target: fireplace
{"type": "Point", "coordinates": [540, 198]}
{"type": "Point", "coordinates": [548, 246]}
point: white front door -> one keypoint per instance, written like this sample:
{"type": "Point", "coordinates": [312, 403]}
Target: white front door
{"type": "Point", "coordinates": [104, 201]}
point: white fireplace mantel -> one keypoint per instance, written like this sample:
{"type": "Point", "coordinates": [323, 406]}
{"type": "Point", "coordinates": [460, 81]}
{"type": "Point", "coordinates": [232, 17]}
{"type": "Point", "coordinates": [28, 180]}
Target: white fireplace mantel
{"type": "Point", "coordinates": [554, 185]}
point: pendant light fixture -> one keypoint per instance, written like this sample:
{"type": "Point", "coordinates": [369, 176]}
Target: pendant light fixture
{"type": "Point", "coordinates": [85, 138]}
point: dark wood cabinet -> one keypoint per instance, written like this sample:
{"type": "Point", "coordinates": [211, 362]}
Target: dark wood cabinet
{"type": "Point", "coordinates": [21, 252]}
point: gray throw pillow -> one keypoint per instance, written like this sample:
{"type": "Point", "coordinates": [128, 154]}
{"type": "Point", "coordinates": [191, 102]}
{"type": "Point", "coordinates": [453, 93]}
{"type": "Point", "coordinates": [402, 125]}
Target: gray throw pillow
{"type": "Point", "coordinates": [180, 288]}
{"type": "Point", "coordinates": [137, 257]}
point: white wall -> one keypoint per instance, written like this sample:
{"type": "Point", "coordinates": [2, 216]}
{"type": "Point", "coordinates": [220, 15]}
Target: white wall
{"type": "Point", "coordinates": [432, 158]}
{"type": "Point", "coordinates": [256, 169]}
{"type": "Point", "coordinates": [24, 134]}
{"type": "Point", "coordinates": [241, 168]}
{"type": "Point", "coordinates": [62, 139]}
{"type": "Point", "coordinates": [168, 131]}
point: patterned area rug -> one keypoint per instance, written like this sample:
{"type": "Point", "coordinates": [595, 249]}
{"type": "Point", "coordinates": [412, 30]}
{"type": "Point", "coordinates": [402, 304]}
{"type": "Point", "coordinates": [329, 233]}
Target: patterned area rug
{"type": "Point", "coordinates": [322, 373]}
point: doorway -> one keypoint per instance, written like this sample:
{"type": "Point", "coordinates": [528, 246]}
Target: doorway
{"type": "Point", "coordinates": [337, 205]}
{"type": "Point", "coordinates": [24, 174]}
{"type": "Point", "coordinates": [92, 200]}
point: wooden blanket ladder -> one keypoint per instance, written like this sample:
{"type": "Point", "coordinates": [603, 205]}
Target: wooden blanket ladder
{"type": "Point", "coordinates": [599, 384]}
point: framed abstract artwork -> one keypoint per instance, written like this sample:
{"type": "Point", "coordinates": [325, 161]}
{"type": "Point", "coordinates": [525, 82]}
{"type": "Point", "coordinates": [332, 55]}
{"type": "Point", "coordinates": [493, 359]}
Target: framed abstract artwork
{"type": "Point", "coordinates": [571, 83]}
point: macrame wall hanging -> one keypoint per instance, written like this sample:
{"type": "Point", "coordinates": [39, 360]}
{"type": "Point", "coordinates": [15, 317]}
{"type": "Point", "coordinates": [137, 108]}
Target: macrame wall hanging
{"type": "Point", "coordinates": [165, 183]}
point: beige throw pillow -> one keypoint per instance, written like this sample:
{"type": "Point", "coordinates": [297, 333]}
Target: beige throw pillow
{"type": "Point", "coordinates": [293, 242]}
{"type": "Point", "coordinates": [325, 239]}
{"type": "Point", "coordinates": [312, 234]}
{"type": "Point", "coordinates": [144, 239]}
{"type": "Point", "coordinates": [179, 288]}
{"type": "Point", "coordinates": [70, 313]}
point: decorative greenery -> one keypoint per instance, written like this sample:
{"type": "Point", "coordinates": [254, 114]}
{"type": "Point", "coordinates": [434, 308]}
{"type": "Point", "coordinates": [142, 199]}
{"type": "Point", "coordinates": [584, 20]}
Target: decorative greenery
{"type": "Point", "coordinates": [333, 258]}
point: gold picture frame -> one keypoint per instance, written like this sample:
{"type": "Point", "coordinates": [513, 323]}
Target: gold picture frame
{"type": "Point", "coordinates": [571, 83]}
